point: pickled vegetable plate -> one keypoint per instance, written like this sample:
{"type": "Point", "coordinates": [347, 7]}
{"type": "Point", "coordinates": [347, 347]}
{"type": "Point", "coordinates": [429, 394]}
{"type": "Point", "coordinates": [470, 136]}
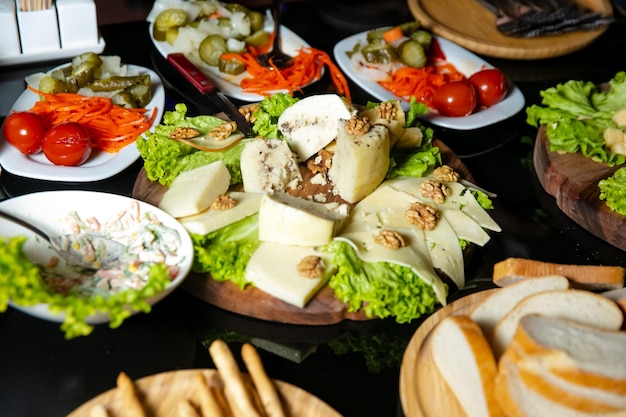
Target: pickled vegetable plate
{"type": "Point", "coordinates": [465, 61]}
{"type": "Point", "coordinates": [99, 166]}
{"type": "Point", "coordinates": [229, 84]}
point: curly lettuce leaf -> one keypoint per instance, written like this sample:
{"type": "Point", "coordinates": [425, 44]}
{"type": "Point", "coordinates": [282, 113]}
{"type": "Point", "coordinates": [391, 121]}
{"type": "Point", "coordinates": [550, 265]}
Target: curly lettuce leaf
{"type": "Point", "coordinates": [165, 158]}
{"type": "Point", "coordinates": [381, 289]}
{"type": "Point", "coordinates": [576, 114]}
{"type": "Point", "coordinates": [613, 191]}
{"type": "Point", "coordinates": [21, 283]}
{"type": "Point", "coordinates": [267, 114]}
{"type": "Point", "coordinates": [225, 252]}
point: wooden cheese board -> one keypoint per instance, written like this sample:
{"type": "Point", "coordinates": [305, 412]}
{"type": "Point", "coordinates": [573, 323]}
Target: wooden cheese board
{"type": "Point", "coordinates": [162, 392]}
{"type": "Point", "coordinates": [572, 179]}
{"type": "Point", "coordinates": [423, 391]}
{"type": "Point", "coordinates": [323, 309]}
{"type": "Point", "coordinates": [473, 26]}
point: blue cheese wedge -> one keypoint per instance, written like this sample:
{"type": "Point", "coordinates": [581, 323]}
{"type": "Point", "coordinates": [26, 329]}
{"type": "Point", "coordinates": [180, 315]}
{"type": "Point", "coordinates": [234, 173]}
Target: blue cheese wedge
{"type": "Point", "coordinates": [281, 271]}
{"type": "Point", "coordinates": [194, 191]}
{"type": "Point", "coordinates": [268, 165]}
{"type": "Point", "coordinates": [246, 204]}
{"type": "Point", "coordinates": [311, 123]}
{"type": "Point", "coordinates": [360, 162]}
{"type": "Point", "coordinates": [290, 220]}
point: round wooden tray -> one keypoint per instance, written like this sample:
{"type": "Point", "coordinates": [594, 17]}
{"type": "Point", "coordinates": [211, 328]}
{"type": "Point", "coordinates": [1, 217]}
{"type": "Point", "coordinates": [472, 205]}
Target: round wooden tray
{"type": "Point", "coordinates": [423, 391]}
{"type": "Point", "coordinates": [572, 179]}
{"type": "Point", "coordinates": [162, 392]}
{"type": "Point", "coordinates": [472, 26]}
{"type": "Point", "coordinates": [323, 309]}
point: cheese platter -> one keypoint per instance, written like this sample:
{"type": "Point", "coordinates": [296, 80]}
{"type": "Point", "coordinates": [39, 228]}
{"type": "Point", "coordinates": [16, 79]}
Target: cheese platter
{"type": "Point", "coordinates": [279, 240]}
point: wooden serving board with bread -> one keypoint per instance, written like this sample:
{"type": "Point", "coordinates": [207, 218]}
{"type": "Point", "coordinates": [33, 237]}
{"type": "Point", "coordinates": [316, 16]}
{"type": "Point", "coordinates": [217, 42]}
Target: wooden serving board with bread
{"type": "Point", "coordinates": [539, 345]}
{"type": "Point", "coordinates": [572, 179]}
{"type": "Point", "coordinates": [324, 308]}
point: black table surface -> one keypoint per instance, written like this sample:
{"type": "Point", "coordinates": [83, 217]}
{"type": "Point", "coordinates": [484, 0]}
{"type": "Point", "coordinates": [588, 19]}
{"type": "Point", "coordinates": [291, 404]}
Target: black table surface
{"type": "Point", "coordinates": [353, 366]}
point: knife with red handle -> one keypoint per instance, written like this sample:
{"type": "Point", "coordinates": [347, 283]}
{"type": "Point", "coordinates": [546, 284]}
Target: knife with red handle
{"type": "Point", "coordinates": [202, 83]}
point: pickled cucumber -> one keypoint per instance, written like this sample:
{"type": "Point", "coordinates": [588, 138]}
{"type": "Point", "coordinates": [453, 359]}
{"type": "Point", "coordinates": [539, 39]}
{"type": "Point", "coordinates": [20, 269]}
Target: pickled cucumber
{"type": "Point", "coordinates": [231, 66]}
{"type": "Point", "coordinates": [412, 53]}
{"type": "Point", "coordinates": [379, 53]}
{"type": "Point", "coordinates": [167, 19]}
{"type": "Point", "coordinates": [258, 38]}
{"type": "Point", "coordinates": [211, 49]}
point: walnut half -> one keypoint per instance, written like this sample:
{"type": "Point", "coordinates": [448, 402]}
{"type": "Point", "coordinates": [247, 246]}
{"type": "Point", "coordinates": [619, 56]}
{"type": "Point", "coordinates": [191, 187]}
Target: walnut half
{"type": "Point", "coordinates": [311, 267]}
{"type": "Point", "coordinates": [223, 131]}
{"type": "Point", "coordinates": [422, 216]}
{"type": "Point", "coordinates": [223, 202]}
{"type": "Point", "coordinates": [184, 133]}
{"type": "Point", "coordinates": [390, 239]}
{"type": "Point", "coordinates": [386, 110]}
{"type": "Point", "coordinates": [434, 190]}
{"type": "Point", "coordinates": [357, 125]}
{"type": "Point", "coordinates": [446, 173]}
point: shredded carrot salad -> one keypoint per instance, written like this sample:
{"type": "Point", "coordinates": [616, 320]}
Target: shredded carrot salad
{"type": "Point", "coordinates": [307, 67]}
{"type": "Point", "coordinates": [111, 127]}
{"type": "Point", "coordinates": [421, 83]}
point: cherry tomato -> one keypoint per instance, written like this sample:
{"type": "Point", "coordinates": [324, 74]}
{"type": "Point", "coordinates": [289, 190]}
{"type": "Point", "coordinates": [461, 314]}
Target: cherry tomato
{"type": "Point", "coordinates": [490, 86]}
{"type": "Point", "coordinates": [25, 131]}
{"type": "Point", "coordinates": [67, 144]}
{"type": "Point", "coordinates": [455, 99]}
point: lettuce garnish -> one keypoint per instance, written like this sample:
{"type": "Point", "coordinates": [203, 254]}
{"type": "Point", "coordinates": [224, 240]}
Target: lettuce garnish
{"type": "Point", "coordinates": [577, 113]}
{"type": "Point", "coordinates": [613, 191]}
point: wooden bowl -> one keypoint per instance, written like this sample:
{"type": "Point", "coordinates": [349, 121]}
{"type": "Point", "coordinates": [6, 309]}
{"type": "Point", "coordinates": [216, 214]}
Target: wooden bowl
{"type": "Point", "coordinates": [162, 393]}
{"type": "Point", "coordinates": [423, 391]}
{"type": "Point", "coordinates": [471, 25]}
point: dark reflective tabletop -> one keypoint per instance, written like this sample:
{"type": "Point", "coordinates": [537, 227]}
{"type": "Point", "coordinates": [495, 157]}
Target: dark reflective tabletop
{"type": "Point", "coordinates": [353, 366]}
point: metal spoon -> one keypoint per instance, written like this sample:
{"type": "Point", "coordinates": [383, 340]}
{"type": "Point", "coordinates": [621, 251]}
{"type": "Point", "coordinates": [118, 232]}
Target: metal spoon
{"type": "Point", "coordinates": [276, 56]}
{"type": "Point", "coordinates": [103, 253]}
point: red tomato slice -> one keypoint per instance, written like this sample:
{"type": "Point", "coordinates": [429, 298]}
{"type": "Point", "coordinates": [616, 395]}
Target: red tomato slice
{"type": "Point", "coordinates": [67, 144]}
{"type": "Point", "coordinates": [25, 131]}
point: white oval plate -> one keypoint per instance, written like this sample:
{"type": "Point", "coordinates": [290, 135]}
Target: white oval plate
{"type": "Point", "coordinates": [230, 85]}
{"type": "Point", "coordinates": [43, 209]}
{"type": "Point", "coordinates": [99, 166]}
{"type": "Point", "coordinates": [465, 61]}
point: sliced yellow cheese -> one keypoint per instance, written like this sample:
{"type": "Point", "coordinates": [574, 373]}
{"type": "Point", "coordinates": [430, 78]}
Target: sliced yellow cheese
{"type": "Point", "coordinates": [195, 190]}
{"type": "Point", "coordinates": [445, 251]}
{"type": "Point", "coordinates": [273, 268]}
{"type": "Point", "coordinates": [465, 227]}
{"type": "Point", "coordinates": [295, 221]}
{"type": "Point", "coordinates": [213, 219]}
{"type": "Point", "coordinates": [360, 162]}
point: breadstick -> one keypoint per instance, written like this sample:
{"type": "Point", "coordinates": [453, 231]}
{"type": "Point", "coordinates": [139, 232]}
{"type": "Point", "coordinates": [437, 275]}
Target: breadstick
{"type": "Point", "coordinates": [130, 399]}
{"type": "Point", "coordinates": [185, 409]}
{"type": "Point", "coordinates": [233, 380]}
{"type": "Point", "coordinates": [209, 402]}
{"type": "Point", "coordinates": [264, 385]}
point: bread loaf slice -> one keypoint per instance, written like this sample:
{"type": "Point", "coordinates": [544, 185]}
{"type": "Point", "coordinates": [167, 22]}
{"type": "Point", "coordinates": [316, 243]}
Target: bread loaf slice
{"type": "Point", "coordinates": [591, 277]}
{"type": "Point", "coordinates": [487, 313]}
{"type": "Point", "coordinates": [617, 295]}
{"type": "Point", "coordinates": [463, 357]}
{"type": "Point", "coordinates": [578, 305]}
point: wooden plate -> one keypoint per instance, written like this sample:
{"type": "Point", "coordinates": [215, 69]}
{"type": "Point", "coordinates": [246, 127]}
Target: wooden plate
{"type": "Point", "coordinates": [471, 25]}
{"type": "Point", "coordinates": [572, 180]}
{"type": "Point", "coordinates": [324, 308]}
{"type": "Point", "coordinates": [423, 391]}
{"type": "Point", "coordinates": [162, 392]}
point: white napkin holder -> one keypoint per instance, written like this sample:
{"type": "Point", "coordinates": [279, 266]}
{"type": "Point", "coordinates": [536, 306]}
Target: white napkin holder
{"type": "Point", "coordinates": [65, 30]}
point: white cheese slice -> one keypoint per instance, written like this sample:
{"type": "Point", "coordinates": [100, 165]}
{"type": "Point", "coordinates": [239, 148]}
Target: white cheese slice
{"type": "Point", "coordinates": [269, 165]}
{"type": "Point", "coordinates": [294, 221]}
{"type": "Point", "coordinates": [195, 190]}
{"type": "Point", "coordinates": [360, 162]}
{"type": "Point", "coordinates": [445, 251]}
{"type": "Point", "coordinates": [311, 123]}
{"type": "Point", "coordinates": [465, 227]}
{"type": "Point", "coordinates": [213, 219]}
{"type": "Point", "coordinates": [370, 251]}
{"type": "Point", "coordinates": [273, 268]}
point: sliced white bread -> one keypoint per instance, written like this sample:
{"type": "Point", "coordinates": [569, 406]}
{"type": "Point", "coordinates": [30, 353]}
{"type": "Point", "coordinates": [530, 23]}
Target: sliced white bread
{"type": "Point", "coordinates": [578, 305]}
{"type": "Point", "coordinates": [591, 277]}
{"type": "Point", "coordinates": [464, 359]}
{"type": "Point", "coordinates": [488, 312]}
{"type": "Point", "coordinates": [518, 400]}
{"type": "Point", "coordinates": [617, 295]}
{"type": "Point", "coordinates": [577, 353]}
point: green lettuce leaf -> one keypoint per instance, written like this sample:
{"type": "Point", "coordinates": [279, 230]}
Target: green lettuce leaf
{"type": "Point", "coordinates": [613, 191]}
{"type": "Point", "coordinates": [165, 158]}
{"type": "Point", "coordinates": [381, 289]}
{"type": "Point", "coordinates": [266, 116]}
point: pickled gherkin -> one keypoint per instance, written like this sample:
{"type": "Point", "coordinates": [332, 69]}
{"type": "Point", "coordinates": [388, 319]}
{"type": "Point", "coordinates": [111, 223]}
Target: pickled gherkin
{"type": "Point", "coordinates": [258, 38]}
{"type": "Point", "coordinates": [211, 49]}
{"type": "Point", "coordinates": [379, 53]}
{"type": "Point", "coordinates": [167, 19]}
{"type": "Point", "coordinates": [412, 53]}
{"type": "Point", "coordinates": [423, 37]}
{"type": "Point", "coordinates": [52, 85]}
{"type": "Point", "coordinates": [231, 66]}
{"type": "Point", "coordinates": [142, 94]}
{"type": "Point", "coordinates": [119, 82]}
{"type": "Point", "coordinates": [124, 99]}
